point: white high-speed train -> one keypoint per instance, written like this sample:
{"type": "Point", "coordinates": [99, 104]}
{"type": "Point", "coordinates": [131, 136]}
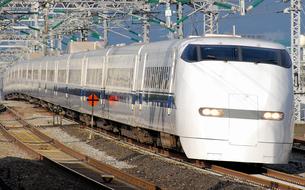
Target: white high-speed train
{"type": "Point", "coordinates": [221, 98]}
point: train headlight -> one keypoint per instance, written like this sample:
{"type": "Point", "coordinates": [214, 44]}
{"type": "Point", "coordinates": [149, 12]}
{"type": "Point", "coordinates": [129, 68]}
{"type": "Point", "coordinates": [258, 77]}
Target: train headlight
{"type": "Point", "coordinates": [214, 112]}
{"type": "Point", "coordinates": [267, 115]}
{"type": "Point", "coordinates": [273, 115]}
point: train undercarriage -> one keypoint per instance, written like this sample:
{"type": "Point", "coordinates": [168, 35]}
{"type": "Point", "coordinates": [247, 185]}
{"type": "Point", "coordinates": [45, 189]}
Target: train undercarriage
{"type": "Point", "coordinates": [144, 136]}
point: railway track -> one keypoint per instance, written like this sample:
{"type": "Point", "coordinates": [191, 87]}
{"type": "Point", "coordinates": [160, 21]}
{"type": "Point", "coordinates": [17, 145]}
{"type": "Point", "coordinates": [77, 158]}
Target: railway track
{"type": "Point", "coordinates": [266, 177]}
{"type": "Point", "coordinates": [3, 145]}
{"type": "Point", "coordinates": [299, 144]}
{"type": "Point", "coordinates": [263, 176]}
{"type": "Point", "coordinates": [45, 148]}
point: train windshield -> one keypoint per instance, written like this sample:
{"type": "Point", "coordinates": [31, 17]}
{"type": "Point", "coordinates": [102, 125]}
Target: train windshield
{"type": "Point", "coordinates": [196, 53]}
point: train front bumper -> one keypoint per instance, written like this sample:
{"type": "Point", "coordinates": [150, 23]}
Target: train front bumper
{"type": "Point", "coordinates": [223, 150]}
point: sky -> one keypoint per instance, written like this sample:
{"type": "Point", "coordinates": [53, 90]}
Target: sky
{"type": "Point", "coordinates": [265, 20]}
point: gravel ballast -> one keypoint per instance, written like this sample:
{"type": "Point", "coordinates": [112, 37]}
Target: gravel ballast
{"type": "Point", "coordinates": [165, 173]}
{"type": "Point", "coordinates": [20, 171]}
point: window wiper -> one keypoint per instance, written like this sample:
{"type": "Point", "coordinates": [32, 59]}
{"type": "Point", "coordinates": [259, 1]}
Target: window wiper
{"type": "Point", "coordinates": [266, 61]}
{"type": "Point", "coordinates": [271, 60]}
{"type": "Point", "coordinates": [257, 61]}
{"type": "Point", "coordinates": [211, 57]}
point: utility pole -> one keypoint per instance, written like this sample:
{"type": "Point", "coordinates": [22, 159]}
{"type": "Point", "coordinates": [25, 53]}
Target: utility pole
{"type": "Point", "coordinates": [242, 6]}
{"type": "Point", "coordinates": [210, 18]}
{"type": "Point", "coordinates": [179, 16]}
{"type": "Point", "coordinates": [35, 7]}
{"type": "Point", "coordinates": [105, 28]}
{"type": "Point", "coordinates": [146, 25]}
{"type": "Point", "coordinates": [210, 23]}
{"type": "Point", "coordinates": [52, 42]}
{"type": "Point", "coordinates": [168, 15]}
{"type": "Point", "coordinates": [295, 9]}
{"type": "Point", "coordinates": [46, 29]}
{"type": "Point", "coordinates": [59, 42]}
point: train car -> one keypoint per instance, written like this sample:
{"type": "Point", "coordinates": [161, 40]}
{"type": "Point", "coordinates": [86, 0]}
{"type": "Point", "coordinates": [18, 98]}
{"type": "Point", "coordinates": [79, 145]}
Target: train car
{"type": "Point", "coordinates": [222, 98]}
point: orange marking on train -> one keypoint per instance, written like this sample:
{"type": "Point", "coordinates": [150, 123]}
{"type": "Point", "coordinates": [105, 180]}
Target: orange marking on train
{"type": "Point", "coordinates": [92, 99]}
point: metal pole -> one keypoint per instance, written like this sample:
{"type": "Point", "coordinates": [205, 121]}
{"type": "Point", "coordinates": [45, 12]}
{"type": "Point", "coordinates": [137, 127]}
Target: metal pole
{"type": "Point", "coordinates": [295, 53]}
{"type": "Point", "coordinates": [91, 123]}
{"type": "Point", "coordinates": [105, 26]}
{"type": "Point", "coordinates": [46, 29]}
{"type": "Point", "coordinates": [242, 6]}
{"type": "Point", "coordinates": [179, 16]}
{"type": "Point", "coordinates": [210, 23]}
{"type": "Point", "coordinates": [52, 42]}
{"type": "Point", "coordinates": [168, 15]}
{"type": "Point", "coordinates": [59, 42]}
{"type": "Point", "coordinates": [210, 20]}
{"type": "Point", "coordinates": [35, 18]}
{"type": "Point", "coordinates": [146, 25]}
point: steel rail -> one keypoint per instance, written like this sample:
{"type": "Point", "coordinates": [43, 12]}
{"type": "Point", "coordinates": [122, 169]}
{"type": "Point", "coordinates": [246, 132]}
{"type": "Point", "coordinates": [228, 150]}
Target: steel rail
{"type": "Point", "coordinates": [39, 156]}
{"type": "Point", "coordinates": [299, 140]}
{"type": "Point", "coordinates": [299, 144]}
{"type": "Point", "coordinates": [253, 179]}
{"type": "Point", "coordinates": [287, 177]}
{"type": "Point", "coordinates": [118, 174]}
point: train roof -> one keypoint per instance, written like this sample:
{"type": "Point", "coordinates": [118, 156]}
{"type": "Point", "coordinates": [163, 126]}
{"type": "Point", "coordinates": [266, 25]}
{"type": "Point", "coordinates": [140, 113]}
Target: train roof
{"type": "Point", "coordinates": [234, 40]}
{"type": "Point", "coordinates": [162, 45]}
{"type": "Point", "coordinates": [208, 40]}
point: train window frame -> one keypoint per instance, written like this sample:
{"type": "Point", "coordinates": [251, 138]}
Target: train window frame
{"type": "Point", "coordinates": [74, 76]}
{"type": "Point", "coordinates": [185, 54]}
{"type": "Point", "coordinates": [30, 73]}
{"type": "Point", "coordinates": [35, 74]}
{"type": "Point", "coordinates": [260, 52]}
{"type": "Point", "coordinates": [24, 73]}
{"type": "Point", "coordinates": [283, 58]}
{"type": "Point", "coordinates": [287, 58]}
{"type": "Point", "coordinates": [115, 77]}
{"type": "Point", "coordinates": [94, 76]}
{"type": "Point", "coordinates": [50, 75]}
{"type": "Point", "coordinates": [203, 51]}
{"type": "Point", "coordinates": [43, 74]}
{"type": "Point", "coordinates": [62, 75]}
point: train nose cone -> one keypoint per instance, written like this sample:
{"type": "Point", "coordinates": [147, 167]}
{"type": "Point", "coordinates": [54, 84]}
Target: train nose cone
{"type": "Point", "coordinates": [243, 119]}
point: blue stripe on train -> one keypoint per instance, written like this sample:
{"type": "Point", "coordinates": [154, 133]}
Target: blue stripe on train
{"type": "Point", "coordinates": [162, 100]}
